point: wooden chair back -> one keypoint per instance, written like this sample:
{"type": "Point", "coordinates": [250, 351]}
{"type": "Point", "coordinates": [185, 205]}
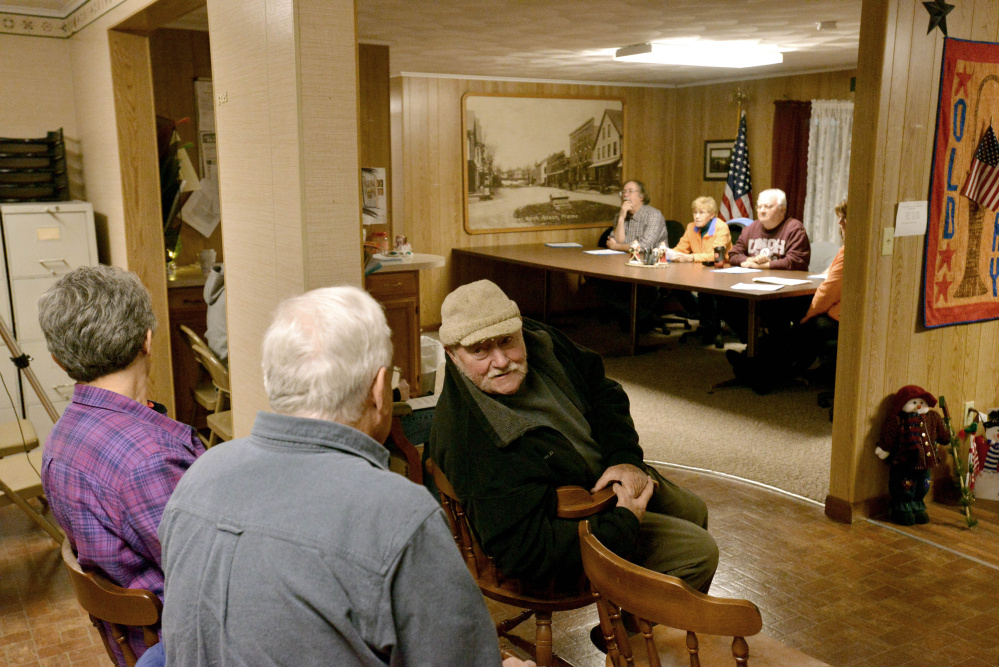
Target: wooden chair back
{"type": "Point", "coordinates": [217, 370]}
{"type": "Point", "coordinates": [113, 609]}
{"type": "Point", "coordinates": [192, 338]}
{"type": "Point", "coordinates": [204, 391]}
{"type": "Point", "coordinates": [538, 601]}
{"type": "Point", "coordinates": [220, 419]}
{"type": "Point", "coordinates": [661, 599]}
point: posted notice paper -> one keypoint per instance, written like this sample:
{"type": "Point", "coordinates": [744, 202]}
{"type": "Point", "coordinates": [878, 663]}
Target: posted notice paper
{"type": "Point", "coordinates": [911, 217]}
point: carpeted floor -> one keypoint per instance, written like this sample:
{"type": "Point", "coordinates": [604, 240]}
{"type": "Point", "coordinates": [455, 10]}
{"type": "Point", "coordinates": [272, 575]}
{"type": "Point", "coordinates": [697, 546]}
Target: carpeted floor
{"type": "Point", "coordinates": [782, 439]}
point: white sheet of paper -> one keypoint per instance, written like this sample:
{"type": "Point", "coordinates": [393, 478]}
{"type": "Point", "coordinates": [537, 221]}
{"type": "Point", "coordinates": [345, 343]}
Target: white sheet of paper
{"type": "Point", "coordinates": [781, 281]}
{"type": "Point", "coordinates": [756, 287]}
{"type": "Point", "coordinates": [201, 210]}
{"type": "Point", "coordinates": [818, 276]}
{"type": "Point", "coordinates": [910, 219]}
{"type": "Point", "coordinates": [737, 269]}
{"type": "Point", "coordinates": [567, 244]}
{"type": "Point", "coordinates": [604, 251]}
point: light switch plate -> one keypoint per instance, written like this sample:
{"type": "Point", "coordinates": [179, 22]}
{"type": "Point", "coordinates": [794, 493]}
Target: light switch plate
{"type": "Point", "coordinates": [887, 240]}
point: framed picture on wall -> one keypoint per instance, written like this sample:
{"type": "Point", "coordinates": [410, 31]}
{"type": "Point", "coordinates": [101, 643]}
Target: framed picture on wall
{"type": "Point", "coordinates": [717, 156]}
{"type": "Point", "coordinates": [540, 163]}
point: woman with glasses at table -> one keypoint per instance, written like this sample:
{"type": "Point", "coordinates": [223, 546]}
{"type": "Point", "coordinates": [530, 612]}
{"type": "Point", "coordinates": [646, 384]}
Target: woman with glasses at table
{"type": "Point", "coordinates": [637, 221]}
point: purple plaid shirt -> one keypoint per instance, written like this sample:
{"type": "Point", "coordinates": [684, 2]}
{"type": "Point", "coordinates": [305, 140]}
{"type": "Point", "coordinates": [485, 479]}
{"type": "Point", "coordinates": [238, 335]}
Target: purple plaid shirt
{"type": "Point", "coordinates": [109, 467]}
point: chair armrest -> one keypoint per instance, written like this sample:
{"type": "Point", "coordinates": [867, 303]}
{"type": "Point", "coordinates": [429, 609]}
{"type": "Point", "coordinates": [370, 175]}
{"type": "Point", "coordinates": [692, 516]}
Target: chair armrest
{"type": "Point", "coordinates": [575, 502]}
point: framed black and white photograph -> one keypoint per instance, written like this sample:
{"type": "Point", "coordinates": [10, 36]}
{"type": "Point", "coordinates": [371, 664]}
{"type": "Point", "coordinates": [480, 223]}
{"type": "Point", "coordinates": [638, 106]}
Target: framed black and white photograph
{"type": "Point", "coordinates": [538, 163]}
{"type": "Point", "coordinates": [717, 156]}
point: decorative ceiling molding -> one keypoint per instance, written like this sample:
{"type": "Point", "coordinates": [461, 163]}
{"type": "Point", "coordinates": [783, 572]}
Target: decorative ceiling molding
{"type": "Point", "coordinates": [41, 23]}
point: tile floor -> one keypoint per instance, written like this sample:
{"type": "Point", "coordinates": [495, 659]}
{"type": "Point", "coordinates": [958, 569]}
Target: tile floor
{"type": "Point", "coordinates": [858, 595]}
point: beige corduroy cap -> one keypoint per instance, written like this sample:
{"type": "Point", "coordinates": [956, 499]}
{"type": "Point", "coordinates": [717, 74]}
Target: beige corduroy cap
{"type": "Point", "coordinates": [477, 311]}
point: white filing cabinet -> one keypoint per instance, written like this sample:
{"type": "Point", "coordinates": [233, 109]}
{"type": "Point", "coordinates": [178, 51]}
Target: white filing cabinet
{"type": "Point", "coordinates": [41, 242]}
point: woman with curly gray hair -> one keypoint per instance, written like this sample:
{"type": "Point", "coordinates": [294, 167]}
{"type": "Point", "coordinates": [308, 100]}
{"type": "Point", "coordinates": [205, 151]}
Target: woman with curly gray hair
{"type": "Point", "coordinates": [113, 459]}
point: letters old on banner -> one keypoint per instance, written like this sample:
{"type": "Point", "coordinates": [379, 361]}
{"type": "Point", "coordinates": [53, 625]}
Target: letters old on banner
{"type": "Point", "coordinates": [961, 283]}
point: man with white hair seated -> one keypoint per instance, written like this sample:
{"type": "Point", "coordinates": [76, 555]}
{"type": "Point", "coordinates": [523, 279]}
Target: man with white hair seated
{"type": "Point", "coordinates": [773, 241]}
{"type": "Point", "coordinates": [296, 545]}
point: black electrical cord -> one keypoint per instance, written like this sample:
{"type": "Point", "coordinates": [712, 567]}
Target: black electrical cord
{"type": "Point", "coordinates": [21, 363]}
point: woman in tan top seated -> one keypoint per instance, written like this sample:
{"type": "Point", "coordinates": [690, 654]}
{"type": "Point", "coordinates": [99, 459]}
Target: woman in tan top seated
{"type": "Point", "coordinates": [698, 245]}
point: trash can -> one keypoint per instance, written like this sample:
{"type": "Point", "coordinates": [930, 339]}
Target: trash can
{"type": "Point", "coordinates": [431, 357]}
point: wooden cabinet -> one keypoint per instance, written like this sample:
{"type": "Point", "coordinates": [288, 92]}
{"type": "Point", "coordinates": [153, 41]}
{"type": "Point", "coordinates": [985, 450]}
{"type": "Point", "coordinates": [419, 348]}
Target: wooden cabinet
{"type": "Point", "coordinates": [186, 306]}
{"type": "Point", "coordinates": [399, 293]}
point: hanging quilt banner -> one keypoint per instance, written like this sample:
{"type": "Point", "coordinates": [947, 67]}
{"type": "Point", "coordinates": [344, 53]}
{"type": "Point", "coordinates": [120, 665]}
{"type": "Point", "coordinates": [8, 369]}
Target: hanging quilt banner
{"type": "Point", "coordinates": [961, 280]}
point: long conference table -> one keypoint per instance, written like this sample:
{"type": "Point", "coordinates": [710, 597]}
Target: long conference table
{"type": "Point", "coordinates": [687, 276]}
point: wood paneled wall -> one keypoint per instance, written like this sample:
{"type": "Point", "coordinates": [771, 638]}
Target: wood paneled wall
{"type": "Point", "coordinates": [708, 113]}
{"type": "Point", "coordinates": [882, 343]}
{"type": "Point", "coordinates": [664, 146]}
{"type": "Point", "coordinates": [179, 57]}
{"type": "Point", "coordinates": [429, 149]}
{"type": "Point", "coordinates": [373, 136]}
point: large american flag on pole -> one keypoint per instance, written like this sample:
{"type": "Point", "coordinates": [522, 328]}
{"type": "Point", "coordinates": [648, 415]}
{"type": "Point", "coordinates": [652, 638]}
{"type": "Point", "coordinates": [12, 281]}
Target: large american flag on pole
{"type": "Point", "coordinates": [982, 185]}
{"type": "Point", "coordinates": [738, 202]}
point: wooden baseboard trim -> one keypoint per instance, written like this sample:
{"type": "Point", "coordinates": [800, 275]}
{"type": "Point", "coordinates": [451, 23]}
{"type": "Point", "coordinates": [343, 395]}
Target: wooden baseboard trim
{"type": "Point", "coordinates": [844, 511]}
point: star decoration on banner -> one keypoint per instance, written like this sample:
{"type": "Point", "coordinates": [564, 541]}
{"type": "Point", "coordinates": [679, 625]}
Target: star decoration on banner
{"type": "Point", "coordinates": [943, 286]}
{"type": "Point", "coordinates": [945, 257]}
{"type": "Point", "coordinates": [938, 10]}
{"type": "Point", "coordinates": [962, 83]}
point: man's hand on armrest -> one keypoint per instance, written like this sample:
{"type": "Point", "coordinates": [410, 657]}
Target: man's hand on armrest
{"type": "Point", "coordinates": [635, 505]}
{"type": "Point", "coordinates": [630, 476]}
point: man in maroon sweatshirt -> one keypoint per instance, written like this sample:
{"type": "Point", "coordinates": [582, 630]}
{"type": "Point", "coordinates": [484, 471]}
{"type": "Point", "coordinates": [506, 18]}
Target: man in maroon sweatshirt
{"type": "Point", "coordinates": [774, 241]}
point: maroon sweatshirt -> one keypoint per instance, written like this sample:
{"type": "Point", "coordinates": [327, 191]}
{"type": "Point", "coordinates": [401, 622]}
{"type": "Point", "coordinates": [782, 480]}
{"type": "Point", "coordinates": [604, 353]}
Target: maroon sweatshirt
{"type": "Point", "coordinates": [787, 242]}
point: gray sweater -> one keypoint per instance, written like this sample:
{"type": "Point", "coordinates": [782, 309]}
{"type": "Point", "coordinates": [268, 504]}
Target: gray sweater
{"type": "Point", "coordinates": [296, 546]}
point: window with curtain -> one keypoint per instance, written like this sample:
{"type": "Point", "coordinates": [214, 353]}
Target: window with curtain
{"type": "Point", "coordinates": [828, 174]}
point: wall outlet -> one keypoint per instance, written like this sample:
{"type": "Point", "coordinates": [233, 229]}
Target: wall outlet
{"type": "Point", "coordinates": [887, 240]}
{"type": "Point", "coordinates": [968, 405]}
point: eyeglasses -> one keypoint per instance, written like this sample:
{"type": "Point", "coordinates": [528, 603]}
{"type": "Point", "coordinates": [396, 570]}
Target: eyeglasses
{"type": "Point", "coordinates": [628, 192]}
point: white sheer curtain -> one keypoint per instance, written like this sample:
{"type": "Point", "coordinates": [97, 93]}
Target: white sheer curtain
{"type": "Point", "coordinates": [829, 137]}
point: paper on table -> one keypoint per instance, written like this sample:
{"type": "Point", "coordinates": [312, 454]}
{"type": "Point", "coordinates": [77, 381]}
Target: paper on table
{"type": "Point", "coordinates": [568, 244]}
{"type": "Point", "coordinates": [756, 287]}
{"type": "Point", "coordinates": [604, 251]}
{"type": "Point", "coordinates": [423, 402]}
{"type": "Point", "coordinates": [781, 281]}
{"type": "Point", "coordinates": [818, 276]}
{"type": "Point", "coordinates": [737, 269]}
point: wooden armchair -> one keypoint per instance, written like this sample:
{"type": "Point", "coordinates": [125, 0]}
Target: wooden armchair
{"type": "Point", "coordinates": [574, 502]}
{"type": "Point", "coordinates": [655, 598]}
{"type": "Point", "coordinates": [205, 393]}
{"type": "Point", "coordinates": [220, 419]}
{"type": "Point", "coordinates": [113, 609]}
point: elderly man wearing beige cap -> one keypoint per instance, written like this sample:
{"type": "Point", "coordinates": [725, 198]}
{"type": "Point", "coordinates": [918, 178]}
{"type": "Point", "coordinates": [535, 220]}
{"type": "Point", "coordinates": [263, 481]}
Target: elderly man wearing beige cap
{"type": "Point", "coordinates": [525, 410]}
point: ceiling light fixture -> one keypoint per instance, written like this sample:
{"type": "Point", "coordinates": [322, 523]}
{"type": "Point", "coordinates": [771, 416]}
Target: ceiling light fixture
{"type": "Point", "coordinates": [703, 53]}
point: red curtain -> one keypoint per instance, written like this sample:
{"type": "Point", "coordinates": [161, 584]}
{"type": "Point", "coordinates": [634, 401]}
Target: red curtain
{"type": "Point", "coordinates": [789, 154]}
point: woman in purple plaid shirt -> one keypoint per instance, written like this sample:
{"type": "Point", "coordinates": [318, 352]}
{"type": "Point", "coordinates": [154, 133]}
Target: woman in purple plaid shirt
{"type": "Point", "coordinates": [113, 459]}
